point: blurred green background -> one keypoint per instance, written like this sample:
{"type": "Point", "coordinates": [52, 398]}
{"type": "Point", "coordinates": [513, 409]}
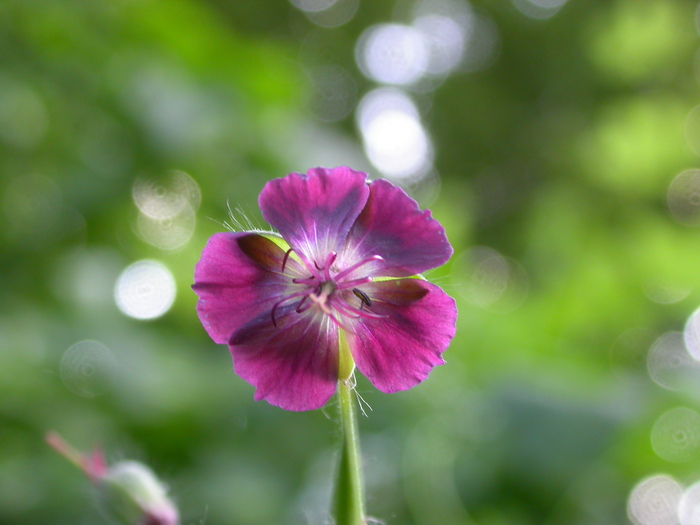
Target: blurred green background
{"type": "Point", "coordinates": [557, 142]}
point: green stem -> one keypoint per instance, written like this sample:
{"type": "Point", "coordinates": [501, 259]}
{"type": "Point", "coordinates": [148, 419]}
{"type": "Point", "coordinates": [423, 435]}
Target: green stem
{"type": "Point", "coordinates": [348, 500]}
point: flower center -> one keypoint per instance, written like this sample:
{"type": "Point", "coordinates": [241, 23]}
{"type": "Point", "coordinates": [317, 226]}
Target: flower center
{"type": "Point", "coordinates": [321, 296]}
{"type": "Point", "coordinates": [332, 291]}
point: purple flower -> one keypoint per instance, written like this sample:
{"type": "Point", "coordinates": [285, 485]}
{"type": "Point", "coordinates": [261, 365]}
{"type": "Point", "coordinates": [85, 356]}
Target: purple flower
{"type": "Point", "coordinates": [342, 270]}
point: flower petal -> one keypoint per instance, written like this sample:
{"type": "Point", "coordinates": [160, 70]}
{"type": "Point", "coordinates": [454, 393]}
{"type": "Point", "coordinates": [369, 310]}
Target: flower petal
{"type": "Point", "coordinates": [392, 226]}
{"type": "Point", "coordinates": [314, 212]}
{"type": "Point", "coordinates": [238, 276]}
{"type": "Point", "coordinates": [398, 351]}
{"type": "Point", "coordinates": [294, 363]}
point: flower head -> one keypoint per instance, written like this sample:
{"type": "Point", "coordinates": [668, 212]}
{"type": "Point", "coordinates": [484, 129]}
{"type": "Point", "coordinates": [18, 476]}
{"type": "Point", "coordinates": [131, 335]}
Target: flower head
{"type": "Point", "coordinates": [341, 273]}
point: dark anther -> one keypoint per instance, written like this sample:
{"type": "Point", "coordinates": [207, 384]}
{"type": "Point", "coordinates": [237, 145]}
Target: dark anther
{"type": "Point", "coordinates": [362, 296]}
{"type": "Point", "coordinates": [284, 261]}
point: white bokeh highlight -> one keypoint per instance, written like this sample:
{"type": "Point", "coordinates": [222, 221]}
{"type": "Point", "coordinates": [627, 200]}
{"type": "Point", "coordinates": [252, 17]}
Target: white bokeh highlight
{"type": "Point", "coordinates": [393, 137]}
{"type": "Point", "coordinates": [393, 54]}
{"type": "Point", "coordinates": [689, 505]}
{"type": "Point", "coordinates": [336, 14]}
{"type": "Point", "coordinates": [691, 335]}
{"type": "Point", "coordinates": [145, 290]}
{"type": "Point", "coordinates": [539, 9]}
{"type": "Point", "coordinates": [670, 365]}
{"type": "Point", "coordinates": [654, 501]}
{"type": "Point", "coordinates": [446, 41]}
{"type": "Point", "coordinates": [167, 207]}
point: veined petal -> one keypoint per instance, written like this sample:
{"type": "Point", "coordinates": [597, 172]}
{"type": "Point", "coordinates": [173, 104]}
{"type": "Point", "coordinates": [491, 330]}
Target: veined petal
{"type": "Point", "coordinates": [398, 350]}
{"type": "Point", "coordinates": [314, 212]}
{"type": "Point", "coordinates": [238, 276]}
{"type": "Point", "coordinates": [392, 226]}
{"type": "Point", "coordinates": [293, 364]}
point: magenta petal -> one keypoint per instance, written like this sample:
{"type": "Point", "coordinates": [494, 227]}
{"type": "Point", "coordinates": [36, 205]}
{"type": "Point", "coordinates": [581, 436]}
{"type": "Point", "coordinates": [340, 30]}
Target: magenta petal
{"type": "Point", "coordinates": [314, 212]}
{"type": "Point", "coordinates": [293, 364]}
{"type": "Point", "coordinates": [392, 226]}
{"type": "Point", "coordinates": [398, 351]}
{"type": "Point", "coordinates": [237, 278]}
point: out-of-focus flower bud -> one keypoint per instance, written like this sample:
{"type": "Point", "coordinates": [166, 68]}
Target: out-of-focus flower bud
{"type": "Point", "coordinates": [130, 493]}
{"type": "Point", "coordinates": [127, 492]}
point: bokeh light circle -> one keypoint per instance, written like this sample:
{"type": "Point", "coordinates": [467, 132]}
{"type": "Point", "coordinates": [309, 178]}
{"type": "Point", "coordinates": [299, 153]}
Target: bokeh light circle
{"type": "Point", "coordinates": [654, 500]}
{"type": "Point", "coordinates": [145, 290]}
{"type": "Point", "coordinates": [689, 506]}
{"type": "Point", "coordinates": [313, 5]}
{"type": "Point", "coordinates": [167, 233]}
{"type": "Point", "coordinates": [166, 196]}
{"type": "Point", "coordinates": [446, 40]}
{"type": "Point", "coordinates": [394, 138]}
{"type": "Point", "coordinates": [393, 54]}
{"type": "Point", "coordinates": [676, 435]}
{"type": "Point", "coordinates": [539, 9]}
{"type": "Point", "coordinates": [167, 207]}
{"type": "Point", "coordinates": [335, 15]}
{"type": "Point", "coordinates": [683, 197]}
{"type": "Point", "coordinates": [669, 363]}
{"type": "Point", "coordinates": [87, 367]}
{"type": "Point", "coordinates": [691, 335]}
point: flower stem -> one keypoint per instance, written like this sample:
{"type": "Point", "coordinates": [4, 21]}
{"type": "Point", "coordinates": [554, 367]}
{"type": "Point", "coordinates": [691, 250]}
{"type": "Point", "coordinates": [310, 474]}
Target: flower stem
{"type": "Point", "coordinates": [348, 499]}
